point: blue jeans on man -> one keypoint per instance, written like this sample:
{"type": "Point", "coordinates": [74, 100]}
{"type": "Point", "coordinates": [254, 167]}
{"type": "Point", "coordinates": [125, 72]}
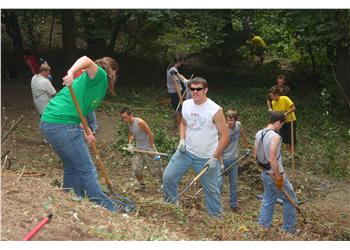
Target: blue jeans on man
{"type": "Point", "coordinates": [79, 171]}
{"type": "Point", "coordinates": [179, 163]}
{"type": "Point", "coordinates": [233, 176]}
{"type": "Point", "coordinates": [271, 193]}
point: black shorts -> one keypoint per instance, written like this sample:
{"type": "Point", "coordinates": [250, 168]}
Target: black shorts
{"type": "Point", "coordinates": [286, 135]}
{"type": "Point", "coordinates": [174, 97]}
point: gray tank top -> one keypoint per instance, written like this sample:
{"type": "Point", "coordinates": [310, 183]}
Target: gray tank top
{"type": "Point", "coordinates": [263, 150]}
{"type": "Point", "coordinates": [141, 137]}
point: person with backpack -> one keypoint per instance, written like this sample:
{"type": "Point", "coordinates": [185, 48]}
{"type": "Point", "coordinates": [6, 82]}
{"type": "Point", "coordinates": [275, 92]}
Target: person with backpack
{"type": "Point", "coordinates": [267, 152]}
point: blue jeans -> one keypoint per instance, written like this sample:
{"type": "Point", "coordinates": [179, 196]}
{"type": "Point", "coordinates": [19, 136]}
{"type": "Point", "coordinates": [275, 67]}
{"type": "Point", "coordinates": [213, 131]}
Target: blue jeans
{"type": "Point", "coordinates": [271, 192]}
{"type": "Point", "coordinates": [79, 171]}
{"type": "Point", "coordinates": [91, 119]}
{"type": "Point", "coordinates": [178, 165]}
{"type": "Point", "coordinates": [232, 175]}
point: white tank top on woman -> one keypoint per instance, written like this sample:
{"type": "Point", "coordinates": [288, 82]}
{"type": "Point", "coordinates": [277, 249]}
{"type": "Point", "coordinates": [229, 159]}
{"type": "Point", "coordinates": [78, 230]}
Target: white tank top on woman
{"type": "Point", "coordinates": [202, 136]}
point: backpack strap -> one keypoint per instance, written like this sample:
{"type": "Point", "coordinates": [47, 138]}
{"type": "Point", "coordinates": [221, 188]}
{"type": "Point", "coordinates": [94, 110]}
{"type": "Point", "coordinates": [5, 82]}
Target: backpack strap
{"type": "Point", "coordinates": [266, 166]}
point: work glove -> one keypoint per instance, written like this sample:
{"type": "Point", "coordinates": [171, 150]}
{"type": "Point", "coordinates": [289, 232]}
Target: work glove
{"type": "Point", "coordinates": [247, 151]}
{"type": "Point", "coordinates": [173, 72]}
{"type": "Point", "coordinates": [182, 146]}
{"type": "Point", "coordinates": [222, 168]}
{"type": "Point", "coordinates": [279, 182]}
{"type": "Point", "coordinates": [130, 148]}
{"type": "Point", "coordinates": [211, 163]}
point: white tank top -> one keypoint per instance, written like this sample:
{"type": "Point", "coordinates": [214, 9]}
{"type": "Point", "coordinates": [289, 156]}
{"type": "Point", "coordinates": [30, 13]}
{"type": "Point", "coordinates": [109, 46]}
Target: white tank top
{"type": "Point", "coordinates": [202, 136]}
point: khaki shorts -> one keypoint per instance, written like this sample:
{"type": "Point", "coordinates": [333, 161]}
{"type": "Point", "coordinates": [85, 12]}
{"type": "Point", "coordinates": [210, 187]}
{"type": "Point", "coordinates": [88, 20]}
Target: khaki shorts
{"type": "Point", "coordinates": [139, 161]}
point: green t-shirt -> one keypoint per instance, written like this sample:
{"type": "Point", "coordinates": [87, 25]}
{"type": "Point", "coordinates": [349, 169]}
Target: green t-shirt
{"type": "Point", "coordinates": [89, 92]}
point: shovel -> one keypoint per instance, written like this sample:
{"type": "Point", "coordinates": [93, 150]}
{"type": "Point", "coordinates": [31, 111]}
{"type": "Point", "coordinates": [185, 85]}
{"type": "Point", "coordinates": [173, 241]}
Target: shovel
{"type": "Point", "coordinates": [146, 152]}
{"type": "Point", "coordinates": [293, 202]}
{"type": "Point", "coordinates": [100, 163]}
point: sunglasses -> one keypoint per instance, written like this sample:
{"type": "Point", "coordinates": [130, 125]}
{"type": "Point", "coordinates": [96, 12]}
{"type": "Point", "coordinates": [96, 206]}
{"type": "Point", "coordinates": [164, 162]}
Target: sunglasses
{"type": "Point", "coordinates": [198, 89]}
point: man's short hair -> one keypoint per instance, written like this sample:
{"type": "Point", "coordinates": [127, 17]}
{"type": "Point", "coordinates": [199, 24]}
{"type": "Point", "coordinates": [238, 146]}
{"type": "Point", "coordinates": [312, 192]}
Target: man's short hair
{"type": "Point", "coordinates": [275, 90]}
{"type": "Point", "coordinates": [281, 76]}
{"type": "Point", "coordinates": [44, 67]}
{"type": "Point", "coordinates": [277, 116]}
{"type": "Point", "coordinates": [232, 114]}
{"type": "Point", "coordinates": [126, 110]}
{"type": "Point", "coordinates": [198, 79]}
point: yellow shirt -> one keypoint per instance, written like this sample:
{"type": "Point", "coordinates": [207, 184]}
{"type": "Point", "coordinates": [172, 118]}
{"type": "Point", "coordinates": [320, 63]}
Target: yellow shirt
{"type": "Point", "coordinates": [284, 104]}
{"type": "Point", "coordinates": [257, 41]}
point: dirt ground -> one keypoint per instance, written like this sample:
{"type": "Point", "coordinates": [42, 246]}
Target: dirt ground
{"type": "Point", "coordinates": [26, 199]}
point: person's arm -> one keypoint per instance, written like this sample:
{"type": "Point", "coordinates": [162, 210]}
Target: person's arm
{"type": "Point", "coordinates": [268, 105]}
{"type": "Point", "coordinates": [273, 156]}
{"type": "Point", "coordinates": [49, 89]}
{"type": "Point", "coordinates": [145, 128]}
{"type": "Point", "coordinates": [182, 129]}
{"type": "Point", "coordinates": [220, 123]}
{"type": "Point", "coordinates": [292, 109]}
{"type": "Point", "coordinates": [181, 77]}
{"type": "Point", "coordinates": [83, 63]}
{"type": "Point", "coordinates": [130, 137]}
{"type": "Point", "coordinates": [178, 91]}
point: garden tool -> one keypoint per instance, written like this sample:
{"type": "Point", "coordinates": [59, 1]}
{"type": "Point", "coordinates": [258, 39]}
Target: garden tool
{"type": "Point", "coordinates": [227, 169]}
{"type": "Point", "coordinates": [191, 183]}
{"type": "Point", "coordinates": [293, 202]}
{"type": "Point", "coordinates": [292, 145]}
{"type": "Point", "coordinates": [184, 94]}
{"type": "Point", "coordinates": [146, 152]}
{"type": "Point", "coordinates": [101, 165]}
{"type": "Point", "coordinates": [38, 227]}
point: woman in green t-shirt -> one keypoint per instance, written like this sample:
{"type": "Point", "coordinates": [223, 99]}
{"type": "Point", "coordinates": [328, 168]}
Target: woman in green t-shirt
{"type": "Point", "coordinates": [60, 124]}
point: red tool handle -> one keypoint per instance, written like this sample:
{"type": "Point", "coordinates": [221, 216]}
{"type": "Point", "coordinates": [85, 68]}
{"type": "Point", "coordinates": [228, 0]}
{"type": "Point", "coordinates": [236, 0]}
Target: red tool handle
{"type": "Point", "coordinates": [37, 228]}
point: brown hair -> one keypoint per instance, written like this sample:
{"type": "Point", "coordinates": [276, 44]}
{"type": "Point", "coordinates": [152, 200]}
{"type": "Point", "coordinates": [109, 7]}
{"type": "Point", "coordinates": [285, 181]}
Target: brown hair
{"type": "Point", "coordinates": [275, 90]}
{"type": "Point", "coordinates": [125, 110]}
{"type": "Point", "coordinates": [44, 67]}
{"type": "Point", "coordinates": [276, 116]}
{"type": "Point", "coordinates": [281, 76]}
{"type": "Point", "coordinates": [109, 65]}
{"type": "Point", "coordinates": [232, 114]}
{"type": "Point", "coordinates": [198, 79]}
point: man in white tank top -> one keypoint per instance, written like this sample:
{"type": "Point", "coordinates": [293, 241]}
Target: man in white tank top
{"type": "Point", "coordinates": [267, 151]}
{"type": "Point", "coordinates": [140, 131]}
{"type": "Point", "coordinates": [203, 137]}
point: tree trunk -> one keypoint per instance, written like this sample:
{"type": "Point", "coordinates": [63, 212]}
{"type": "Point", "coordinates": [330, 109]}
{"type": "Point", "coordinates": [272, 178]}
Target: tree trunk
{"type": "Point", "coordinates": [343, 74]}
{"type": "Point", "coordinates": [9, 18]}
{"type": "Point", "coordinates": [309, 50]}
{"type": "Point", "coordinates": [51, 30]}
{"type": "Point", "coordinates": [68, 36]}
